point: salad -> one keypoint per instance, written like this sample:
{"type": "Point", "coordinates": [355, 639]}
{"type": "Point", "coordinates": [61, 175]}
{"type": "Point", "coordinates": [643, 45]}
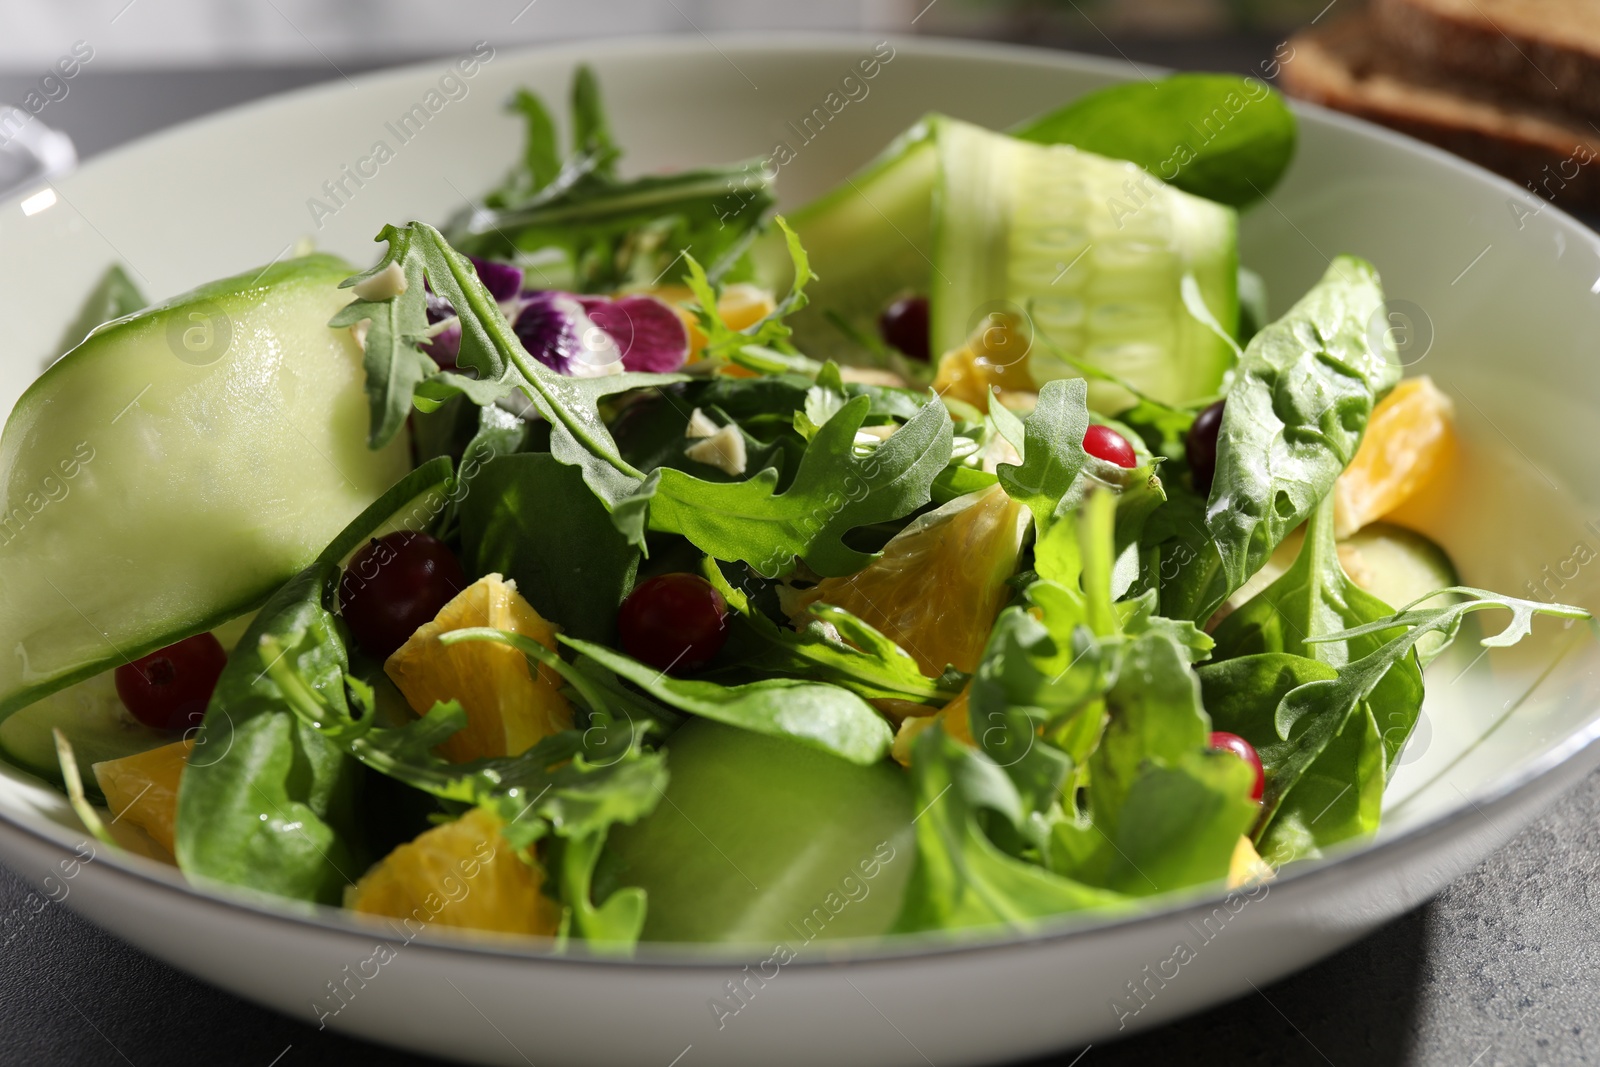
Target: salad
{"type": "Point", "coordinates": [622, 561]}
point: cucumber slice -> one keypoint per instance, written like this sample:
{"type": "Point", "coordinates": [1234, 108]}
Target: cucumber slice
{"type": "Point", "coordinates": [94, 719]}
{"type": "Point", "coordinates": [91, 715]}
{"type": "Point", "coordinates": [869, 241]}
{"type": "Point", "coordinates": [1394, 564]}
{"type": "Point", "coordinates": [1399, 566]}
{"type": "Point", "coordinates": [1095, 250]}
{"type": "Point", "coordinates": [175, 468]}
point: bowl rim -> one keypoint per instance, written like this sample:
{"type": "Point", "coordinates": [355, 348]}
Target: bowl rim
{"type": "Point", "coordinates": [1352, 861]}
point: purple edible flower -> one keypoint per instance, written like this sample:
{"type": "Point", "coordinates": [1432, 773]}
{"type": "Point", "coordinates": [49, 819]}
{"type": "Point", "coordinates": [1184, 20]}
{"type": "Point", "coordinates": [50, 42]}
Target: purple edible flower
{"type": "Point", "coordinates": [504, 283]}
{"type": "Point", "coordinates": [591, 335]}
{"type": "Point", "coordinates": [647, 330]}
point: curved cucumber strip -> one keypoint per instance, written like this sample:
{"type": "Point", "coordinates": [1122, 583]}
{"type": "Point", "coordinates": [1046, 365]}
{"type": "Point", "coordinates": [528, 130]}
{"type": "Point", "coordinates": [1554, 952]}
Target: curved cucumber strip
{"type": "Point", "coordinates": [1094, 249]}
{"type": "Point", "coordinates": [92, 716]}
{"type": "Point", "coordinates": [870, 240]}
{"type": "Point", "coordinates": [175, 468]}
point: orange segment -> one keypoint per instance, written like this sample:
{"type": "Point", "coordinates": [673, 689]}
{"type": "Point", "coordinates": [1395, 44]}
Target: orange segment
{"type": "Point", "coordinates": [1246, 867]}
{"type": "Point", "coordinates": [508, 707]}
{"type": "Point", "coordinates": [940, 582]}
{"type": "Point", "coordinates": [741, 305]}
{"type": "Point", "coordinates": [462, 874]}
{"type": "Point", "coordinates": [953, 717]}
{"type": "Point", "coordinates": [994, 357]}
{"type": "Point", "coordinates": [143, 789]}
{"type": "Point", "coordinates": [1410, 441]}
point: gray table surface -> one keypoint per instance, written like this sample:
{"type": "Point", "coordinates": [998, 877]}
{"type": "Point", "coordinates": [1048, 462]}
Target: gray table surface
{"type": "Point", "coordinates": [1501, 969]}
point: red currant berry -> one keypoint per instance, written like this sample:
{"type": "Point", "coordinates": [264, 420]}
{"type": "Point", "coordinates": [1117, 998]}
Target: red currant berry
{"type": "Point", "coordinates": [674, 622]}
{"type": "Point", "coordinates": [1102, 442]}
{"type": "Point", "coordinates": [1201, 446]}
{"type": "Point", "coordinates": [394, 585]}
{"type": "Point", "coordinates": [904, 325]}
{"type": "Point", "coordinates": [1223, 741]}
{"type": "Point", "coordinates": [170, 688]}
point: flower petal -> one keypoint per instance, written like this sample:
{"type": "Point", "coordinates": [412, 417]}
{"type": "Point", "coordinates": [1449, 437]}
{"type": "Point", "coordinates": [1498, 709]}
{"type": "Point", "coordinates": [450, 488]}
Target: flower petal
{"type": "Point", "coordinates": [501, 279]}
{"type": "Point", "coordinates": [556, 330]}
{"type": "Point", "coordinates": [648, 332]}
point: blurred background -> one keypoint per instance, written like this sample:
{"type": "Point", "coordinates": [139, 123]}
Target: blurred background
{"type": "Point", "coordinates": [1511, 84]}
{"type": "Point", "coordinates": [172, 59]}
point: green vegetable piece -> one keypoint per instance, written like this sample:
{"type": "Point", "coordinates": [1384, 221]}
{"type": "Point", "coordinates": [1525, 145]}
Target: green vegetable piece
{"type": "Point", "coordinates": [589, 231]}
{"type": "Point", "coordinates": [267, 801]}
{"type": "Point", "coordinates": [1218, 136]}
{"type": "Point", "coordinates": [530, 518]}
{"type": "Point", "coordinates": [821, 716]}
{"type": "Point", "coordinates": [1294, 419]}
{"type": "Point", "coordinates": [762, 840]}
{"type": "Point", "coordinates": [961, 879]}
{"type": "Point", "coordinates": [1398, 566]}
{"type": "Point", "coordinates": [174, 469]}
{"type": "Point", "coordinates": [1092, 249]}
{"type": "Point", "coordinates": [112, 297]}
{"type": "Point", "coordinates": [833, 491]}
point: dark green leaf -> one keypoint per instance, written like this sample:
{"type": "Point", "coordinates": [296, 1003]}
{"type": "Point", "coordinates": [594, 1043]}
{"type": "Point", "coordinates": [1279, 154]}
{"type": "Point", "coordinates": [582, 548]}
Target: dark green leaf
{"type": "Point", "coordinates": [530, 518]}
{"type": "Point", "coordinates": [266, 801]}
{"type": "Point", "coordinates": [1215, 135]}
{"type": "Point", "coordinates": [822, 716]}
{"type": "Point", "coordinates": [833, 491]}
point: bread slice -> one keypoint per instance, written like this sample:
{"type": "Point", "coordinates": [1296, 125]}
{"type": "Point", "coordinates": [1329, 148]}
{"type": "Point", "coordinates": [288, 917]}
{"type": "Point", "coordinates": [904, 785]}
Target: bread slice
{"type": "Point", "coordinates": [1544, 50]}
{"type": "Point", "coordinates": [1348, 66]}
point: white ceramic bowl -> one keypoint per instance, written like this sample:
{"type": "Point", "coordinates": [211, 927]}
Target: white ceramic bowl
{"type": "Point", "coordinates": [1504, 285]}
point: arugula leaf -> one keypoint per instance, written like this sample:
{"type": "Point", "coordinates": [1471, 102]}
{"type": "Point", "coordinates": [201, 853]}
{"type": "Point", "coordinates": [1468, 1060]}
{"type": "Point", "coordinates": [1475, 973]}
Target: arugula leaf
{"type": "Point", "coordinates": [1215, 135]}
{"type": "Point", "coordinates": [833, 491]}
{"type": "Point", "coordinates": [822, 716]}
{"type": "Point", "coordinates": [1294, 418]}
{"type": "Point", "coordinates": [570, 562]}
{"type": "Point", "coordinates": [960, 879]}
{"type": "Point", "coordinates": [392, 360]}
{"type": "Point", "coordinates": [724, 343]}
{"type": "Point", "coordinates": [871, 666]}
{"type": "Point", "coordinates": [1327, 783]}
{"type": "Point", "coordinates": [112, 297]}
{"type": "Point", "coordinates": [490, 348]}
{"type": "Point", "coordinates": [254, 757]}
{"type": "Point", "coordinates": [1056, 473]}
{"type": "Point", "coordinates": [582, 228]}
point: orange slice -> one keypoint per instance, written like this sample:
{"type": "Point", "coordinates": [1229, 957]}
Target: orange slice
{"type": "Point", "coordinates": [509, 708]}
{"type": "Point", "coordinates": [143, 789]}
{"type": "Point", "coordinates": [940, 582]}
{"type": "Point", "coordinates": [1410, 441]}
{"type": "Point", "coordinates": [462, 874]}
{"type": "Point", "coordinates": [994, 358]}
{"type": "Point", "coordinates": [741, 305]}
{"type": "Point", "coordinates": [953, 717]}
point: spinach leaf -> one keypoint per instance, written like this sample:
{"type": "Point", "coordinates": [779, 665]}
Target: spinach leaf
{"type": "Point", "coordinates": [112, 297]}
{"type": "Point", "coordinates": [1215, 135]}
{"type": "Point", "coordinates": [833, 491]}
{"type": "Point", "coordinates": [822, 716]}
{"type": "Point", "coordinates": [1293, 420]}
{"type": "Point", "coordinates": [267, 801]}
{"type": "Point", "coordinates": [530, 518]}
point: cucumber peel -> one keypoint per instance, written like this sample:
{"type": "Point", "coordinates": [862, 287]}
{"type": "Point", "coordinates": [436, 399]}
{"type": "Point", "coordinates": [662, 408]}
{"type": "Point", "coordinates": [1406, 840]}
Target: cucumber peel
{"type": "Point", "coordinates": [175, 468]}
